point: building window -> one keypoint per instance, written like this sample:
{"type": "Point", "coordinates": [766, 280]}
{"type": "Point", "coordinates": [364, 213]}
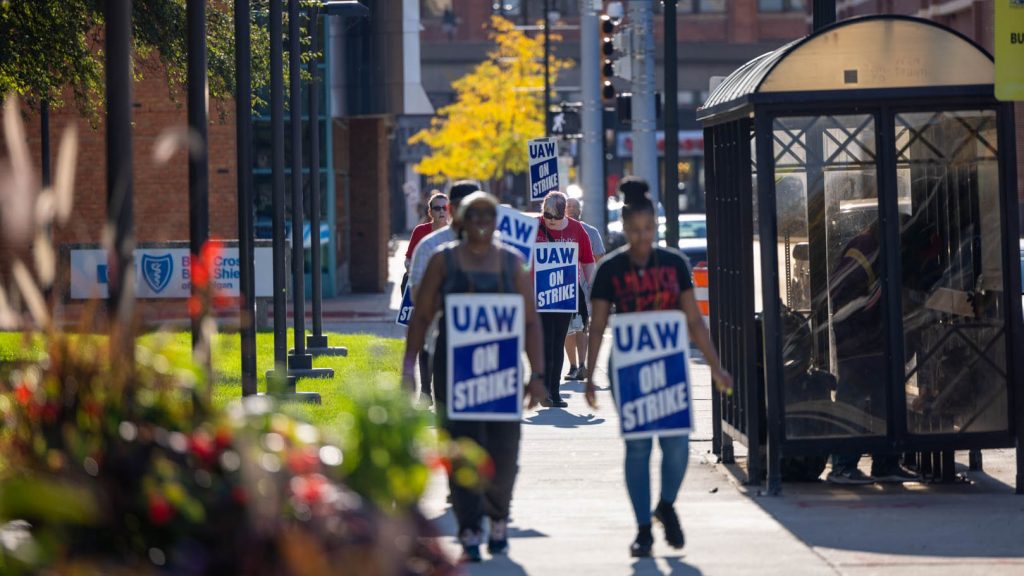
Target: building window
{"type": "Point", "coordinates": [781, 5]}
{"type": "Point", "coordinates": [434, 8]}
{"type": "Point", "coordinates": [701, 6]}
{"type": "Point", "coordinates": [507, 7]}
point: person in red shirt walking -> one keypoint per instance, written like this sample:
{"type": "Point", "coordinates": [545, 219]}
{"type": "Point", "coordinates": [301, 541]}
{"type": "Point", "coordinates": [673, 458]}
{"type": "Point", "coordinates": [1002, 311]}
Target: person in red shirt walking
{"type": "Point", "coordinates": [437, 217]}
{"type": "Point", "coordinates": [556, 226]}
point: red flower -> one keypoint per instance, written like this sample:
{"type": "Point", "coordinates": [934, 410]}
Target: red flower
{"type": "Point", "coordinates": [203, 447]}
{"type": "Point", "coordinates": [50, 412]}
{"type": "Point", "coordinates": [202, 267]}
{"type": "Point", "coordinates": [223, 437]}
{"type": "Point", "coordinates": [195, 306]}
{"type": "Point", "coordinates": [435, 461]}
{"type": "Point", "coordinates": [160, 510]}
{"type": "Point", "coordinates": [311, 488]}
{"type": "Point", "coordinates": [303, 462]}
{"type": "Point", "coordinates": [22, 394]}
{"type": "Point", "coordinates": [486, 468]}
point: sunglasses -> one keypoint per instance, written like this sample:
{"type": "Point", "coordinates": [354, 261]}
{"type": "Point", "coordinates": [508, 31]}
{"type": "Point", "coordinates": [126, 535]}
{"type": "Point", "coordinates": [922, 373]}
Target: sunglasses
{"type": "Point", "coordinates": [550, 216]}
{"type": "Point", "coordinates": [439, 208]}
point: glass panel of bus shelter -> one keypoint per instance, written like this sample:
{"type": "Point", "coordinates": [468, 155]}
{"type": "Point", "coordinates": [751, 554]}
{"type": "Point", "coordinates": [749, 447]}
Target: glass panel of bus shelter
{"type": "Point", "coordinates": [952, 285]}
{"type": "Point", "coordinates": [829, 256]}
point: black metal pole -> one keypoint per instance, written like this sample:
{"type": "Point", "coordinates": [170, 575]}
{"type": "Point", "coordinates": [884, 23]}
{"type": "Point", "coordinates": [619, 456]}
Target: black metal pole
{"type": "Point", "coordinates": [277, 201]}
{"type": "Point", "coordinates": [121, 275]}
{"type": "Point", "coordinates": [44, 145]}
{"type": "Point", "coordinates": [317, 340]}
{"type": "Point", "coordinates": [243, 150]}
{"type": "Point", "coordinates": [547, 70]}
{"type": "Point", "coordinates": [298, 359]}
{"type": "Point", "coordinates": [198, 168]}
{"type": "Point", "coordinates": [671, 193]}
{"type": "Point", "coordinates": [823, 13]}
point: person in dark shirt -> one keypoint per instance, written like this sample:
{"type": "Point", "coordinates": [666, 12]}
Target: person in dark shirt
{"type": "Point", "coordinates": [640, 277]}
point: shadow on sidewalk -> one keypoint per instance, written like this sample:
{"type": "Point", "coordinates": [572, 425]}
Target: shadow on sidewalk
{"type": "Point", "coordinates": [676, 567]}
{"type": "Point", "coordinates": [560, 418]}
{"type": "Point", "coordinates": [974, 519]}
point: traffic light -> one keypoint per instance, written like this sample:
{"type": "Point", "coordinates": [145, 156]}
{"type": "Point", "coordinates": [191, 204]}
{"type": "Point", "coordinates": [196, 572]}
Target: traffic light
{"type": "Point", "coordinates": [609, 53]}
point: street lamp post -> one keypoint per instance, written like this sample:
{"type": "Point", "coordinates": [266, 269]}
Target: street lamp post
{"type": "Point", "coordinates": [243, 150]}
{"type": "Point", "coordinates": [121, 279]}
{"type": "Point", "coordinates": [198, 171]}
{"type": "Point", "coordinates": [547, 69]}
{"type": "Point", "coordinates": [317, 343]}
{"type": "Point", "coordinates": [671, 194]}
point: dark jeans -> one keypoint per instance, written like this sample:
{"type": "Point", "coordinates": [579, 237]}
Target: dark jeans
{"type": "Point", "coordinates": [555, 326]}
{"type": "Point", "coordinates": [860, 386]}
{"type": "Point", "coordinates": [501, 441]}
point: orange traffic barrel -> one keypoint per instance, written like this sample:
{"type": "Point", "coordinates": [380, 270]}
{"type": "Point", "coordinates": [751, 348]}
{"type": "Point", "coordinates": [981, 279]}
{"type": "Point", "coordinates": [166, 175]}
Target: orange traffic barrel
{"type": "Point", "coordinates": [700, 290]}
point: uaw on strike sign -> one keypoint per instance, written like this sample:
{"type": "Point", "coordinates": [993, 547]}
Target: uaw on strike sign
{"type": "Point", "coordinates": [543, 154]}
{"type": "Point", "coordinates": [485, 342]}
{"type": "Point", "coordinates": [555, 268]}
{"type": "Point", "coordinates": [405, 310]}
{"type": "Point", "coordinates": [650, 373]}
{"type": "Point", "coordinates": [517, 230]}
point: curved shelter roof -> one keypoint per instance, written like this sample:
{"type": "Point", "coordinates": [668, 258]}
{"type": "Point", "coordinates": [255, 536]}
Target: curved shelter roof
{"type": "Point", "coordinates": [873, 52]}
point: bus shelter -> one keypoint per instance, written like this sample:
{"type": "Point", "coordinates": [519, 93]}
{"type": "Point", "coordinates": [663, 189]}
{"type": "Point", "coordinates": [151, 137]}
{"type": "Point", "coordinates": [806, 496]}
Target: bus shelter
{"type": "Point", "coordinates": [863, 240]}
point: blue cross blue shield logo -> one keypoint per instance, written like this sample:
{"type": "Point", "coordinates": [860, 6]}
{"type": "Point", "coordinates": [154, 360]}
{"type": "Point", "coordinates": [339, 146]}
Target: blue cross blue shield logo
{"type": "Point", "coordinates": [156, 270]}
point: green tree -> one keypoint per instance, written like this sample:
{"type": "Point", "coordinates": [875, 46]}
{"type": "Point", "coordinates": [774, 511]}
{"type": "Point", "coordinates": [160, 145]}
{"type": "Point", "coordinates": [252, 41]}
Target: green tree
{"type": "Point", "coordinates": [47, 46]}
{"type": "Point", "coordinates": [498, 108]}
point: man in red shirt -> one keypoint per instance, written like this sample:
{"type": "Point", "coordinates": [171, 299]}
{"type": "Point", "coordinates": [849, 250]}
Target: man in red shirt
{"type": "Point", "coordinates": [438, 217]}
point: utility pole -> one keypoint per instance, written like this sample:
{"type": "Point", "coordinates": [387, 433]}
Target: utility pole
{"type": "Point", "coordinates": [644, 121]}
{"type": "Point", "coordinates": [298, 359]}
{"type": "Point", "coordinates": [823, 13]}
{"type": "Point", "coordinates": [547, 70]}
{"type": "Point", "coordinates": [671, 104]}
{"type": "Point", "coordinates": [591, 152]}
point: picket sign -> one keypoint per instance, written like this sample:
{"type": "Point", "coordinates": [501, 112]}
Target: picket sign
{"type": "Point", "coordinates": [517, 230]}
{"type": "Point", "coordinates": [544, 177]}
{"type": "Point", "coordinates": [405, 310]}
{"type": "Point", "coordinates": [650, 373]}
{"type": "Point", "coordinates": [555, 270]}
{"type": "Point", "coordinates": [485, 343]}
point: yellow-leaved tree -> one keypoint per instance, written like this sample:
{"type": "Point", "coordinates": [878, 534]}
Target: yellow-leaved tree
{"type": "Point", "coordinates": [499, 106]}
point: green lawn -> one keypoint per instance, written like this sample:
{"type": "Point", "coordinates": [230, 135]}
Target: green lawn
{"type": "Point", "coordinates": [371, 361]}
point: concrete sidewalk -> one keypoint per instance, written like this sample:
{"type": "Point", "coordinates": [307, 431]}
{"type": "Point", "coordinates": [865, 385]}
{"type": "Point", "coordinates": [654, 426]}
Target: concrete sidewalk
{"type": "Point", "coordinates": [571, 513]}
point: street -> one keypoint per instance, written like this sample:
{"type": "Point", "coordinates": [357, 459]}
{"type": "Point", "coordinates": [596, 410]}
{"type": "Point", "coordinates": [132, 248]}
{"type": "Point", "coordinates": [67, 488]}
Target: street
{"type": "Point", "coordinates": [571, 514]}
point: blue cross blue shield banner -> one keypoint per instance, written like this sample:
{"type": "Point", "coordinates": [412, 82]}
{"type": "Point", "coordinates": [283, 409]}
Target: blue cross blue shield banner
{"type": "Point", "coordinates": [555, 269]}
{"type": "Point", "coordinates": [405, 310]}
{"type": "Point", "coordinates": [543, 153]}
{"type": "Point", "coordinates": [517, 230]}
{"type": "Point", "coordinates": [650, 373]}
{"type": "Point", "coordinates": [485, 343]}
{"type": "Point", "coordinates": [156, 271]}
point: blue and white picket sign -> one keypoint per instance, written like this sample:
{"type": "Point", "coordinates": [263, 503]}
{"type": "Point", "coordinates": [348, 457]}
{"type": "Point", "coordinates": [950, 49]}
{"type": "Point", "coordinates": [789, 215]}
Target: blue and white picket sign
{"type": "Point", "coordinates": [405, 310]}
{"type": "Point", "coordinates": [485, 343]}
{"type": "Point", "coordinates": [555, 269]}
{"type": "Point", "coordinates": [517, 230]}
{"type": "Point", "coordinates": [543, 154]}
{"type": "Point", "coordinates": [650, 373]}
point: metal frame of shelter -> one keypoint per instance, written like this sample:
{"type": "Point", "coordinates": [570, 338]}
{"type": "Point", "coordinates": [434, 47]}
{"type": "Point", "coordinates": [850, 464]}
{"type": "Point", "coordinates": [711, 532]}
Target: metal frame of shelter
{"type": "Point", "coordinates": [886, 126]}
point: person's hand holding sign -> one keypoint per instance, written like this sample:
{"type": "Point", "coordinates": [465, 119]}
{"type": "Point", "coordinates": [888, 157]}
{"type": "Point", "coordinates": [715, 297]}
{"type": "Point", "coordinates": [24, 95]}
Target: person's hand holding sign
{"type": "Point", "coordinates": [535, 390]}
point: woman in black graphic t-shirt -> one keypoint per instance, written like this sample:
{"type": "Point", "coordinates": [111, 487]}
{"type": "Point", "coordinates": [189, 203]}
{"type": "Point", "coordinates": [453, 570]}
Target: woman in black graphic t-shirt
{"type": "Point", "coordinates": [641, 277]}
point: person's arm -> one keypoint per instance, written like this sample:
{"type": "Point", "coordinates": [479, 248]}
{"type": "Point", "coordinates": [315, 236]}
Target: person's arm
{"type": "Point", "coordinates": [702, 338]}
{"type": "Point", "coordinates": [586, 255]}
{"type": "Point", "coordinates": [533, 337]}
{"type": "Point", "coordinates": [423, 314]}
{"type": "Point", "coordinates": [598, 321]}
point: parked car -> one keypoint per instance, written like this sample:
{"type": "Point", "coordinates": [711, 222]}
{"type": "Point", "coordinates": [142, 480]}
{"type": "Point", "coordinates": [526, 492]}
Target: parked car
{"type": "Point", "coordinates": [693, 236]}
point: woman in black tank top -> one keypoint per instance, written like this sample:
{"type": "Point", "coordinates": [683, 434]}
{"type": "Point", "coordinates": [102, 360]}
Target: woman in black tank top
{"type": "Point", "coordinates": [475, 264]}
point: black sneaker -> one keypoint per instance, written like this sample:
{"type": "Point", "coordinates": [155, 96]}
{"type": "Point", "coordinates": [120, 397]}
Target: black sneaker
{"type": "Point", "coordinates": [896, 475]}
{"type": "Point", "coordinates": [849, 477]}
{"type": "Point", "coordinates": [581, 374]}
{"type": "Point", "coordinates": [666, 515]}
{"type": "Point", "coordinates": [560, 403]}
{"type": "Point", "coordinates": [470, 540]}
{"type": "Point", "coordinates": [547, 403]}
{"type": "Point", "coordinates": [571, 375]}
{"type": "Point", "coordinates": [641, 547]}
{"type": "Point", "coordinates": [497, 541]}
